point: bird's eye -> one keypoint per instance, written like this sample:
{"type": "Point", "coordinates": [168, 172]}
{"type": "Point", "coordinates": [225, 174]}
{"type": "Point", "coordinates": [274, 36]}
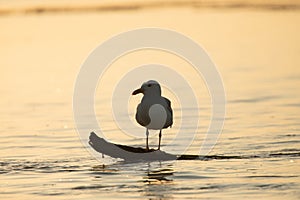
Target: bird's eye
{"type": "Point", "coordinates": [149, 85]}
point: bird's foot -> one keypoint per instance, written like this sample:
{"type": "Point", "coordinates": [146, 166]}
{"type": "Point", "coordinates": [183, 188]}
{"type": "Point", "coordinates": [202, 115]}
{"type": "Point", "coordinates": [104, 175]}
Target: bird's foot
{"type": "Point", "coordinates": [158, 147]}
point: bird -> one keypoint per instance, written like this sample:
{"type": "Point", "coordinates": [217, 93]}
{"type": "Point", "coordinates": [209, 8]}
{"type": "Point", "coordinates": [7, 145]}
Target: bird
{"type": "Point", "coordinates": [155, 111]}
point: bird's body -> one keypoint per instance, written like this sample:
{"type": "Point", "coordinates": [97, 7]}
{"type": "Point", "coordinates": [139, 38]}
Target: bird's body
{"type": "Point", "coordinates": [154, 112]}
{"type": "Point", "coordinates": [143, 112]}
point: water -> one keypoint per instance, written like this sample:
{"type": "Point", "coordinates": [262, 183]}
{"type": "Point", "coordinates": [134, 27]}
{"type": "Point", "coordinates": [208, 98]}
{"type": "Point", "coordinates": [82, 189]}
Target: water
{"type": "Point", "coordinates": [257, 155]}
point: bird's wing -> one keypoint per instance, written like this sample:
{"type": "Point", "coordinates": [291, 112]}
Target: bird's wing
{"type": "Point", "coordinates": [169, 104]}
{"type": "Point", "coordinates": [171, 112]}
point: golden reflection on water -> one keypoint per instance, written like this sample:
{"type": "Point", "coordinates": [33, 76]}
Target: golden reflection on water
{"type": "Point", "coordinates": [256, 52]}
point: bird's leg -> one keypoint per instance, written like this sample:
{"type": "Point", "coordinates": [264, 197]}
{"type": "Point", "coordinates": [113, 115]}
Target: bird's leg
{"type": "Point", "coordinates": [147, 134]}
{"type": "Point", "coordinates": [159, 139]}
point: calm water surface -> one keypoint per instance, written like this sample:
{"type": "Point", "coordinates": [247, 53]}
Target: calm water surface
{"type": "Point", "coordinates": [256, 157]}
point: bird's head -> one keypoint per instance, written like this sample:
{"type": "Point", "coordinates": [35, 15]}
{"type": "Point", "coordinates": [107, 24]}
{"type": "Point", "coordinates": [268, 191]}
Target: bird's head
{"type": "Point", "coordinates": [149, 88]}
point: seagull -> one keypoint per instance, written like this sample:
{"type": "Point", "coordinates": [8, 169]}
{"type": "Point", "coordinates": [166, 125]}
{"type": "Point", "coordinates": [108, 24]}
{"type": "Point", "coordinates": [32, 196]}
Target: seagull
{"type": "Point", "coordinates": [154, 112]}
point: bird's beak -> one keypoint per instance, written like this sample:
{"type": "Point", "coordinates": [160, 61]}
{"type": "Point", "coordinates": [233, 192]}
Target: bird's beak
{"type": "Point", "coordinates": [140, 90]}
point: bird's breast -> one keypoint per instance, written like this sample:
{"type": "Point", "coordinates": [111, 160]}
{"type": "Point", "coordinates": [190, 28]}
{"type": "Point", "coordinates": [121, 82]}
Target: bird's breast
{"type": "Point", "coordinates": [158, 117]}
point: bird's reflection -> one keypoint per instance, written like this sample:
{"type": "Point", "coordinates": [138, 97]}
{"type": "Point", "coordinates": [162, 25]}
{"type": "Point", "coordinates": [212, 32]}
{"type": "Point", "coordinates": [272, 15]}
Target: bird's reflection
{"type": "Point", "coordinates": [158, 181]}
{"type": "Point", "coordinates": [159, 175]}
{"type": "Point", "coordinates": [154, 180]}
